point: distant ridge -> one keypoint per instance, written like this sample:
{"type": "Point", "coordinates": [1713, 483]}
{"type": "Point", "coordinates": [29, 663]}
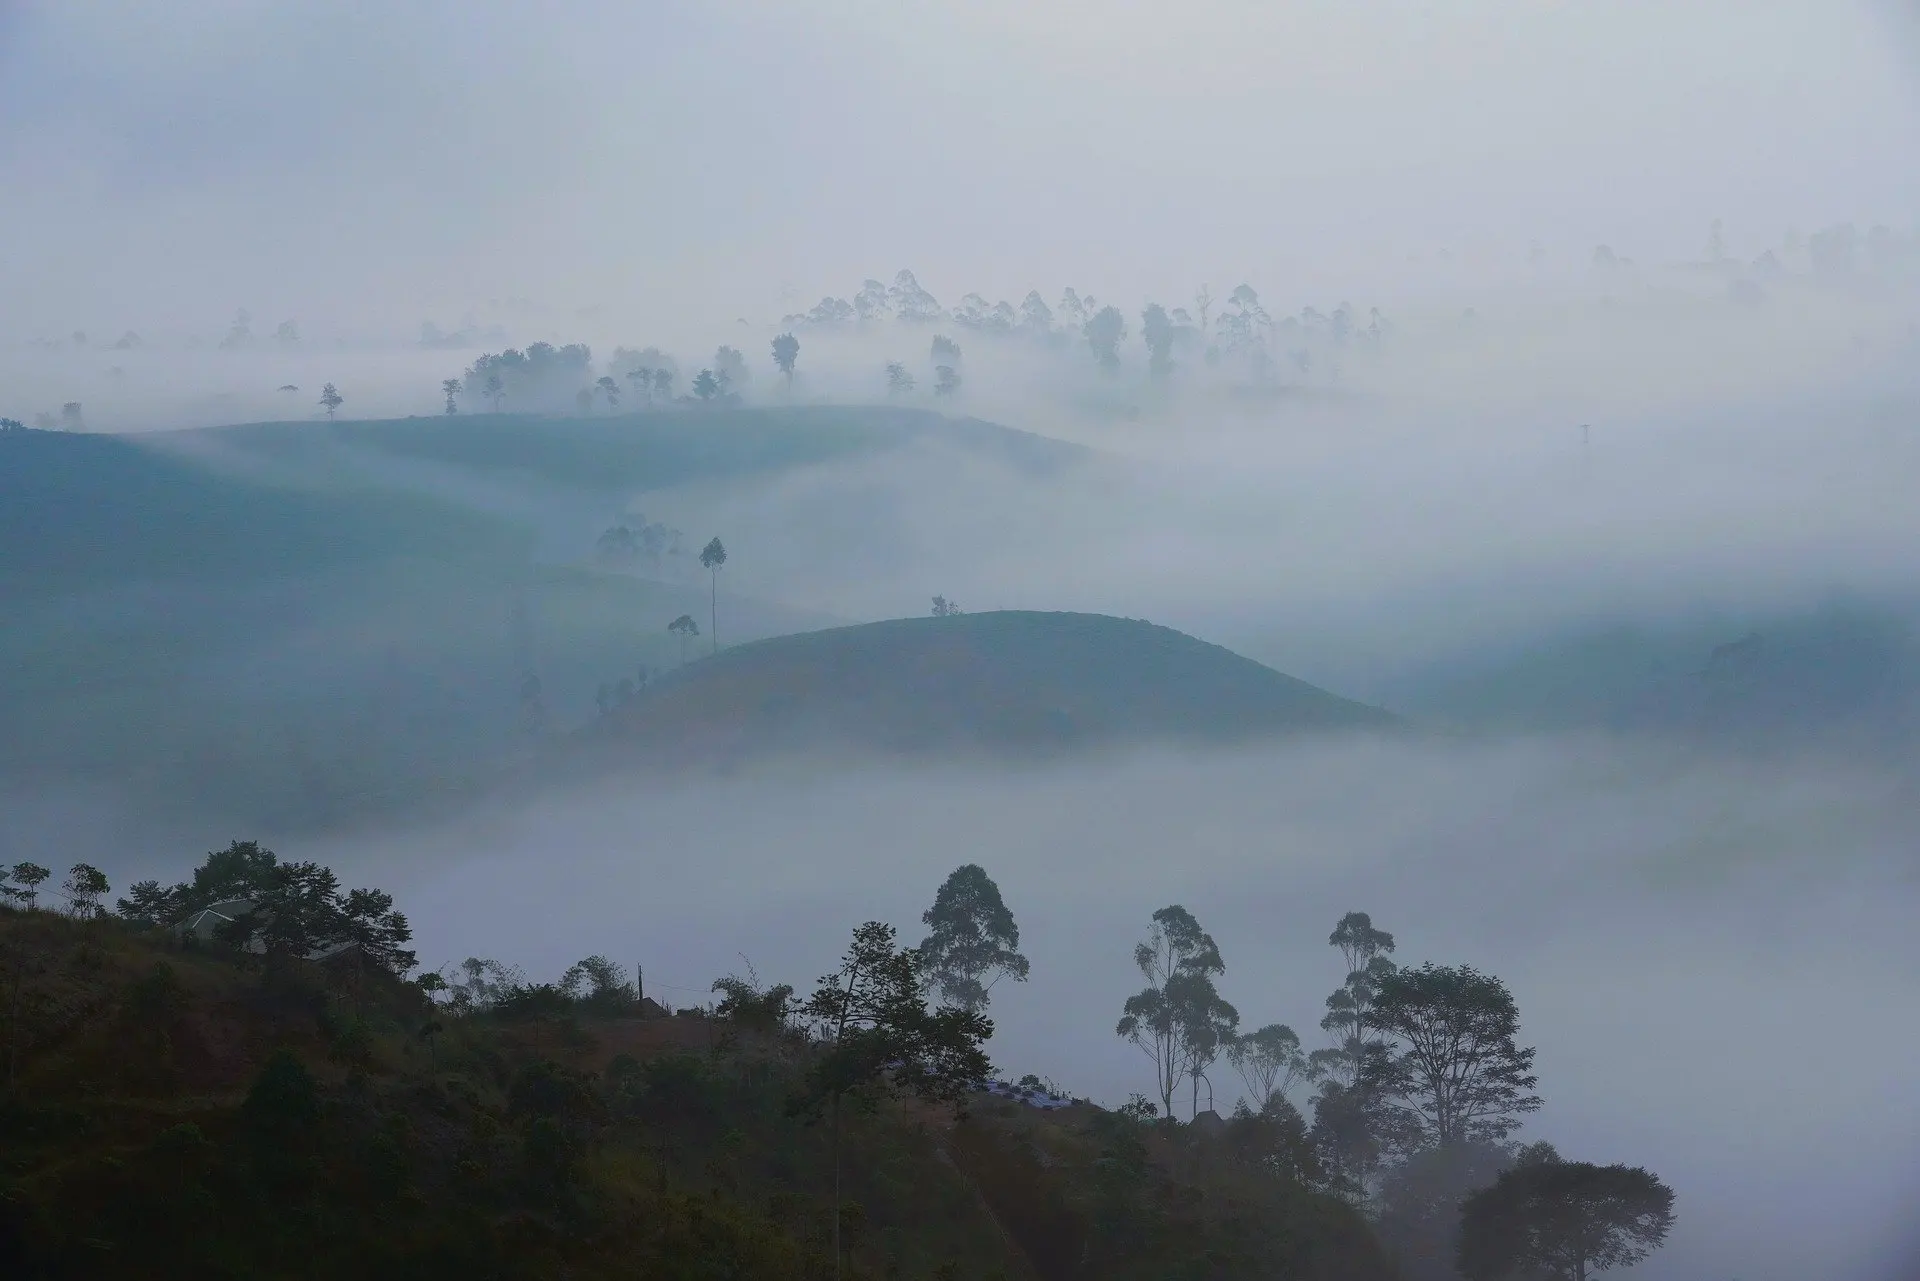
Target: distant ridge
{"type": "Point", "coordinates": [1007, 680]}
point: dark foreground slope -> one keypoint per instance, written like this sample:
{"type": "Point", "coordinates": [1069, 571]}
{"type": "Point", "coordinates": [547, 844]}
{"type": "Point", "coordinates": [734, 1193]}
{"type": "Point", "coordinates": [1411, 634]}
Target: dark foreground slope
{"type": "Point", "coordinates": [997, 681]}
{"type": "Point", "coordinates": [181, 1114]}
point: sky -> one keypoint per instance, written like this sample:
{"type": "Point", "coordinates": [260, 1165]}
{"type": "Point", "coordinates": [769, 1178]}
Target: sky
{"type": "Point", "coordinates": [363, 166]}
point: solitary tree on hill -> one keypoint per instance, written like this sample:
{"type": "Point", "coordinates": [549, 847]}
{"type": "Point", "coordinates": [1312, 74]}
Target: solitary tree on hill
{"type": "Point", "coordinates": [684, 627]}
{"type": "Point", "coordinates": [331, 400]}
{"type": "Point", "coordinates": [1564, 1219]}
{"type": "Point", "coordinates": [786, 350]}
{"type": "Point", "coordinates": [451, 388]}
{"type": "Point", "coordinates": [973, 941]}
{"type": "Point", "coordinates": [712, 557]}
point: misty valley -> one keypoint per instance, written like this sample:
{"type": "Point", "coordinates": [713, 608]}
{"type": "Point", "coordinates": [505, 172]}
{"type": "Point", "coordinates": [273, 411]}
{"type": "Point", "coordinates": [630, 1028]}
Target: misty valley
{"type": "Point", "coordinates": [1322, 686]}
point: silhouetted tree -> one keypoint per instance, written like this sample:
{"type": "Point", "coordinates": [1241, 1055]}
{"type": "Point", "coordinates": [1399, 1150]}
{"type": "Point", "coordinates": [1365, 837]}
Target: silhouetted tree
{"type": "Point", "coordinates": [11, 425]}
{"type": "Point", "coordinates": [663, 383]}
{"type": "Point", "coordinates": [946, 381]}
{"type": "Point", "coordinates": [84, 887]}
{"type": "Point", "coordinates": [685, 628]}
{"type": "Point", "coordinates": [642, 380]}
{"type": "Point", "coordinates": [899, 381]}
{"type": "Point", "coordinates": [879, 1036]}
{"type": "Point", "coordinates": [331, 400]}
{"type": "Point", "coordinates": [944, 608]}
{"type": "Point", "coordinates": [712, 557]}
{"type": "Point", "coordinates": [944, 350]}
{"type": "Point", "coordinates": [450, 387]}
{"type": "Point", "coordinates": [1178, 1020]}
{"type": "Point", "coordinates": [786, 350]}
{"type": "Point", "coordinates": [706, 385]}
{"type": "Point", "coordinates": [1451, 1056]}
{"type": "Point", "coordinates": [1156, 330]}
{"type": "Point", "coordinates": [1269, 1060]}
{"type": "Point", "coordinates": [29, 876]}
{"type": "Point", "coordinates": [609, 389]}
{"type": "Point", "coordinates": [730, 367]}
{"type": "Point", "coordinates": [973, 941]}
{"type": "Point", "coordinates": [1104, 332]}
{"type": "Point", "coordinates": [1567, 1219]}
{"type": "Point", "coordinates": [496, 390]}
{"type": "Point", "coordinates": [1364, 949]}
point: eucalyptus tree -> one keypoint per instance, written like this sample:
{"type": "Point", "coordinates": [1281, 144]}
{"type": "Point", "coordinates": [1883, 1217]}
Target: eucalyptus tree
{"type": "Point", "coordinates": [712, 557]}
{"type": "Point", "coordinates": [1178, 1020]}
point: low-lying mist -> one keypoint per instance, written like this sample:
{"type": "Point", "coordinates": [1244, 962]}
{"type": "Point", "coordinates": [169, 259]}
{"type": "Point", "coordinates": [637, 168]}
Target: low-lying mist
{"type": "Point", "coordinates": [1713, 956]}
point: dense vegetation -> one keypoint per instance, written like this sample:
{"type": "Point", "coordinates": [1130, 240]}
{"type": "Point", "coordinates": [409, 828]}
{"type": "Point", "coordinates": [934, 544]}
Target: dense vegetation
{"type": "Point", "coordinates": [218, 1107]}
{"type": "Point", "coordinates": [234, 1076]}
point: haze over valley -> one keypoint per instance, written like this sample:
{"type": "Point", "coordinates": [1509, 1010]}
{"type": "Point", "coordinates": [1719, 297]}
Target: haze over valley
{"type": "Point", "coordinates": [653, 489]}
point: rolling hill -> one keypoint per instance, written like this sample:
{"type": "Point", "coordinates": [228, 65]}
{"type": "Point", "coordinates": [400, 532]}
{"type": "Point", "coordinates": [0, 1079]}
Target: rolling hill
{"type": "Point", "coordinates": [285, 624]}
{"type": "Point", "coordinates": [1011, 680]}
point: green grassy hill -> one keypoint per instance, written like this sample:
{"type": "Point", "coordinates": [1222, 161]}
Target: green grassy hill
{"type": "Point", "coordinates": [194, 1113]}
{"type": "Point", "coordinates": [995, 681]}
{"type": "Point", "coordinates": [291, 624]}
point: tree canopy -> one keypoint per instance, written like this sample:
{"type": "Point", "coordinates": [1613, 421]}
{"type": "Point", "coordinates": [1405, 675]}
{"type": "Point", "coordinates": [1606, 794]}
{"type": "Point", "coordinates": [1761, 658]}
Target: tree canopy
{"type": "Point", "coordinates": [1569, 1219]}
{"type": "Point", "coordinates": [1452, 1057]}
{"type": "Point", "coordinates": [973, 941]}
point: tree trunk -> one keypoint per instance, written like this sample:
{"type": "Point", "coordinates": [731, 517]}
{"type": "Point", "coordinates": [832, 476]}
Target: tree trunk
{"type": "Point", "coordinates": [713, 610]}
{"type": "Point", "coordinates": [836, 1187]}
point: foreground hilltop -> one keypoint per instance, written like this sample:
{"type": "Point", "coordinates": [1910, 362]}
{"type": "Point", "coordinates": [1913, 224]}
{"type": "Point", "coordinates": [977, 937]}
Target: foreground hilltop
{"type": "Point", "coordinates": [202, 1112]}
{"type": "Point", "coordinates": [1009, 679]}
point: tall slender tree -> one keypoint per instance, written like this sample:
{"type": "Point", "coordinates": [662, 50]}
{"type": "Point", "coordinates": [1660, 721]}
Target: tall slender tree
{"type": "Point", "coordinates": [1176, 1019]}
{"type": "Point", "coordinates": [1363, 948]}
{"type": "Point", "coordinates": [685, 628]}
{"type": "Point", "coordinates": [331, 400]}
{"type": "Point", "coordinates": [450, 387]}
{"type": "Point", "coordinates": [712, 557]}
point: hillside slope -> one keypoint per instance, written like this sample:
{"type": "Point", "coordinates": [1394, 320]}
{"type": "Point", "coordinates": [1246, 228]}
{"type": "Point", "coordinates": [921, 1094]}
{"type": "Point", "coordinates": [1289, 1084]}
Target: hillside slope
{"type": "Point", "coordinates": [293, 624]}
{"type": "Point", "coordinates": [996, 681]}
{"type": "Point", "coordinates": [200, 1113]}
